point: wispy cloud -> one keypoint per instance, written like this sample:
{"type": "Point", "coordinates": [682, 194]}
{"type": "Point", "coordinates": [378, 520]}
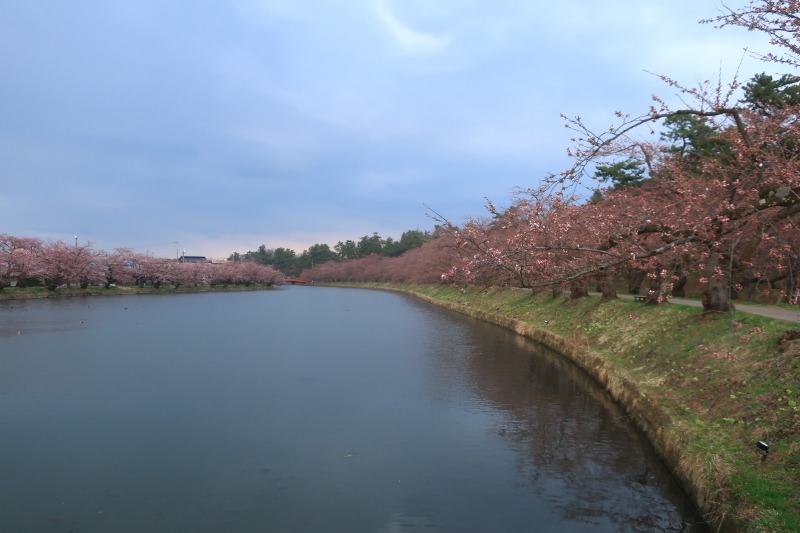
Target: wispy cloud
{"type": "Point", "coordinates": [407, 37]}
{"type": "Point", "coordinates": [381, 183]}
{"type": "Point", "coordinates": [284, 149]}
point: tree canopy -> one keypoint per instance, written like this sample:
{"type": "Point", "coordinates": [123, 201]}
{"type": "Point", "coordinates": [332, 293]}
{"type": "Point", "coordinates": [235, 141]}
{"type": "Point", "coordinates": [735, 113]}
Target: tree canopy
{"type": "Point", "coordinates": [720, 196]}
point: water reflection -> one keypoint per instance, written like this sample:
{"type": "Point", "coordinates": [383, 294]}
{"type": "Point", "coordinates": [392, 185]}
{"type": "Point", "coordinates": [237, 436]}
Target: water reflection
{"type": "Point", "coordinates": [575, 448]}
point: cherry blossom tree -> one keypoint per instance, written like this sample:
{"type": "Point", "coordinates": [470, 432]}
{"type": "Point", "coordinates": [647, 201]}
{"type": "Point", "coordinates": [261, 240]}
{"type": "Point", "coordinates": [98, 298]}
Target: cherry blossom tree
{"type": "Point", "coordinates": [733, 207]}
{"type": "Point", "coordinates": [154, 270]}
{"type": "Point", "coordinates": [270, 276]}
{"type": "Point", "coordinates": [56, 264]}
{"type": "Point", "coordinates": [88, 266]}
{"type": "Point", "coordinates": [719, 211]}
{"type": "Point", "coordinates": [778, 19]}
{"type": "Point", "coordinates": [116, 266]}
{"type": "Point", "coordinates": [250, 272]}
{"type": "Point", "coordinates": [543, 240]}
{"type": "Point", "coordinates": [223, 273]}
{"type": "Point", "coordinates": [56, 267]}
{"type": "Point", "coordinates": [62, 264]}
{"type": "Point", "coordinates": [423, 264]}
{"type": "Point", "coordinates": [19, 259]}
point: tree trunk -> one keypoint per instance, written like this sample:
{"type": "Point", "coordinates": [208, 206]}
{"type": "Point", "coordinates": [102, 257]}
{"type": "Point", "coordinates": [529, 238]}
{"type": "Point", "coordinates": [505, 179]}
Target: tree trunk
{"type": "Point", "coordinates": [607, 287]}
{"type": "Point", "coordinates": [578, 288]}
{"type": "Point", "coordinates": [717, 290]}
{"type": "Point", "coordinates": [558, 290]}
{"type": "Point", "coordinates": [679, 288]}
{"type": "Point", "coordinates": [790, 289]}
{"type": "Point", "coordinates": [635, 279]}
{"type": "Point", "coordinates": [662, 283]}
{"type": "Point", "coordinates": [658, 290]}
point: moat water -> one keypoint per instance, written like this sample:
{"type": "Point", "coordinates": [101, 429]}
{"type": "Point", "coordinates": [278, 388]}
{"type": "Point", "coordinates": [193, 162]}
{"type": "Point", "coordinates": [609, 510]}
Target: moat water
{"type": "Point", "coordinates": [307, 409]}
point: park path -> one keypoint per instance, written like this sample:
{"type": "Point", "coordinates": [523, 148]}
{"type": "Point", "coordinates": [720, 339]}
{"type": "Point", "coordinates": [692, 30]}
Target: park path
{"type": "Point", "coordinates": [779, 313]}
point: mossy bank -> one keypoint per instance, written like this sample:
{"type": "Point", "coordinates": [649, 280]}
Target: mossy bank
{"type": "Point", "coordinates": [703, 389]}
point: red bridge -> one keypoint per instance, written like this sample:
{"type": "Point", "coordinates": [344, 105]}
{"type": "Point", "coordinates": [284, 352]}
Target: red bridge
{"type": "Point", "coordinates": [294, 281]}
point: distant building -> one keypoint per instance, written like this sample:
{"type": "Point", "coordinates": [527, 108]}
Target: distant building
{"type": "Point", "coordinates": [193, 259]}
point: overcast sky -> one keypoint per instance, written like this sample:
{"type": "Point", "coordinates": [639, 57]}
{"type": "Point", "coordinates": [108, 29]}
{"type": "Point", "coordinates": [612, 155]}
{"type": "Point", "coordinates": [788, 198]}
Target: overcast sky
{"type": "Point", "coordinates": [218, 126]}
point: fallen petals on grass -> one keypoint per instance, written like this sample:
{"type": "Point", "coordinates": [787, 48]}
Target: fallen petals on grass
{"type": "Point", "coordinates": [728, 356]}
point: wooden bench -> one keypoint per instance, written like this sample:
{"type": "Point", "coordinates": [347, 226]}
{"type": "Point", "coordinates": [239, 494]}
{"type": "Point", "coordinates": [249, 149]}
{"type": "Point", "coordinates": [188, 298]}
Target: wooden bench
{"type": "Point", "coordinates": [640, 298]}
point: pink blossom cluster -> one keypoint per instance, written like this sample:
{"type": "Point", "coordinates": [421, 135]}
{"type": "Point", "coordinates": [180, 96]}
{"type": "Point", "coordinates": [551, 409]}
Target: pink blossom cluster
{"type": "Point", "coordinates": [430, 263]}
{"type": "Point", "coordinates": [55, 264]}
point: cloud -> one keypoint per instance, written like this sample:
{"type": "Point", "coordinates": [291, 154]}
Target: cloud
{"type": "Point", "coordinates": [273, 121]}
{"type": "Point", "coordinates": [408, 38]}
{"type": "Point", "coordinates": [380, 183]}
{"type": "Point", "coordinates": [284, 149]}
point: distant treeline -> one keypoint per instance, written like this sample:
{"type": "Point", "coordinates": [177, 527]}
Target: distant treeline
{"type": "Point", "coordinates": [290, 263]}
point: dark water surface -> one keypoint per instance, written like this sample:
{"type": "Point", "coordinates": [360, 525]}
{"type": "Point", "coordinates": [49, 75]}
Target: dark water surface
{"type": "Point", "coordinates": [306, 409]}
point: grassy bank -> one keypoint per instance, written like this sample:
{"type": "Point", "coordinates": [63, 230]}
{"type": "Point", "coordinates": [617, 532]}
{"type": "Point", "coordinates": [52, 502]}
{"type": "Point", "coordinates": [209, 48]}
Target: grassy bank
{"type": "Point", "coordinates": [17, 293]}
{"type": "Point", "coordinates": [704, 389]}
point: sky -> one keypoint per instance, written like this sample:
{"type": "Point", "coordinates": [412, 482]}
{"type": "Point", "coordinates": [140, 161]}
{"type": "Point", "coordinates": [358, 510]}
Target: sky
{"type": "Point", "coordinates": [215, 127]}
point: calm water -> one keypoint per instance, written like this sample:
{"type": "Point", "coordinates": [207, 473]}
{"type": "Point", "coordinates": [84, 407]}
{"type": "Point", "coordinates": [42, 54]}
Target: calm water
{"type": "Point", "coordinates": [306, 409]}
